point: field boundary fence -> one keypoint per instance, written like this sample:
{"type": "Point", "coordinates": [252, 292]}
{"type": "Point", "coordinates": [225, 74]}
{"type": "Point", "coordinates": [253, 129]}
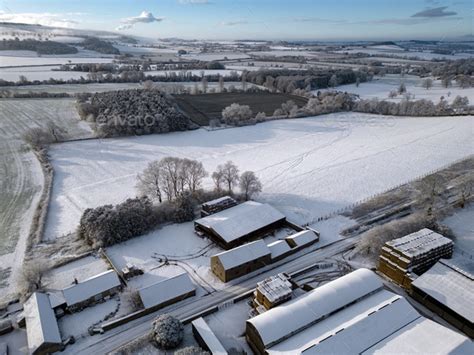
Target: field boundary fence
{"type": "Point", "coordinates": [348, 208]}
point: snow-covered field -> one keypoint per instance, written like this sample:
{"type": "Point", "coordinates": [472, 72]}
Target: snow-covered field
{"type": "Point", "coordinates": [29, 58]}
{"type": "Point", "coordinates": [380, 87]}
{"type": "Point", "coordinates": [21, 178]}
{"type": "Point", "coordinates": [309, 167]}
{"type": "Point", "coordinates": [377, 50]}
{"type": "Point", "coordinates": [38, 73]}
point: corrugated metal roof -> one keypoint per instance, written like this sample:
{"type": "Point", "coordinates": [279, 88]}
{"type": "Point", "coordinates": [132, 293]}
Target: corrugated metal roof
{"type": "Point", "coordinates": [300, 313]}
{"type": "Point", "coordinates": [450, 287]}
{"type": "Point", "coordinates": [209, 337]}
{"type": "Point", "coordinates": [91, 287]}
{"type": "Point", "coordinates": [236, 222]}
{"type": "Point", "coordinates": [41, 324]}
{"type": "Point", "coordinates": [166, 290]}
{"type": "Point", "coordinates": [243, 254]}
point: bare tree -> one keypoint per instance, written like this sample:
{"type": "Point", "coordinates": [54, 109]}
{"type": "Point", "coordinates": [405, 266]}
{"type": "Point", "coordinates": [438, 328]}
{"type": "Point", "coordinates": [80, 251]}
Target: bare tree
{"type": "Point", "coordinates": [250, 185]}
{"type": "Point", "coordinates": [236, 114]}
{"type": "Point", "coordinates": [221, 83]}
{"type": "Point", "coordinates": [427, 83]}
{"type": "Point", "coordinates": [218, 178]}
{"type": "Point", "coordinates": [228, 174]}
{"type": "Point", "coordinates": [204, 84]}
{"type": "Point", "coordinates": [333, 81]}
{"type": "Point", "coordinates": [150, 181]}
{"type": "Point", "coordinates": [446, 82]}
{"type": "Point", "coordinates": [194, 172]}
{"type": "Point", "coordinates": [32, 274]}
{"type": "Point", "coordinates": [402, 88]}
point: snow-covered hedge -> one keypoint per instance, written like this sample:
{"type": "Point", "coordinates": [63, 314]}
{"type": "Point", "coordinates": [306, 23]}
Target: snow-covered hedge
{"type": "Point", "coordinates": [167, 331]}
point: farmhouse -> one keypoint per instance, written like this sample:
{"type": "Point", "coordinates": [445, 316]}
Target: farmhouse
{"type": "Point", "coordinates": [240, 261]}
{"type": "Point", "coordinates": [233, 226]}
{"type": "Point", "coordinates": [167, 292]}
{"type": "Point", "coordinates": [42, 330]}
{"type": "Point", "coordinates": [302, 239]}
{"type": "Point", "coordinates": [413, 253]}
{"type": "Point", "coordinates": [448, 289]}
{"type": "Point", "coordinates": [206, 337]}
{"type": "Point", "coordinates": [92, 290]}
{"type": "Point", "coordinates": [335, 318]}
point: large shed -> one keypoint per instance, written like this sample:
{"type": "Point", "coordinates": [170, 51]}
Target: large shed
{"type": "Point", "coordinates": [42, 330]}
{"type": "Point", "coordinates": [353, 314]}
{"type": "Point", "coordinates": [206, 337]}
{"type": "Point", "coordinates": [240, 261]}
{"type": "Point", "coordinates": [244, 222]}
{"type": "Point", "coordinates": [167, 292]}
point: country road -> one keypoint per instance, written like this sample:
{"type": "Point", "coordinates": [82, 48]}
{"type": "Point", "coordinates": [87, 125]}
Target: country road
{"type": "Point", "coordinates": [111, 340]}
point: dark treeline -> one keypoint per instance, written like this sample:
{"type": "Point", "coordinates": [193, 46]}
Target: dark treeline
{"type": "Point", "coordinates": [98, 45]}
{"type": "Point", "coordinates": [40, 47]}
{"type": "Point", "coordinates": [132, 112]}
{"type": "Point", "coordinates": [287, 81]}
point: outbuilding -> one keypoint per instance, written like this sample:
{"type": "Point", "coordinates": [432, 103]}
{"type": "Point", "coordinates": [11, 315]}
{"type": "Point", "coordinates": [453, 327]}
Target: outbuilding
{"type": "Point", "coordinates": [240, 261]}
{"type": "Point", "coordinates": [42, 330]}
{"type": "Point", "coordinates": [92, 290]}
{"type": "Point", "coordinates": [167, 292]}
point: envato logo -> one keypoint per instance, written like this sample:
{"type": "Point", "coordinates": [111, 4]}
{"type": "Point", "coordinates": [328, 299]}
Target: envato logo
{"type": "Point", "coordinates": [134, 120]}
{"type": "Point", "coordinates": [350, 120]}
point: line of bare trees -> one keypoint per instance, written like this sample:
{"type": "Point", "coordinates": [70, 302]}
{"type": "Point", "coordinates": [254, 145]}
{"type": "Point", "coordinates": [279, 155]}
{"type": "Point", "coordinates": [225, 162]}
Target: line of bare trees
{"type": "Point", "coordinates": [172, 177]}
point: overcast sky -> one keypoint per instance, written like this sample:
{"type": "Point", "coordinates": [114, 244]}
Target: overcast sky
{"type": "Point", "coordinates": [253, 19]}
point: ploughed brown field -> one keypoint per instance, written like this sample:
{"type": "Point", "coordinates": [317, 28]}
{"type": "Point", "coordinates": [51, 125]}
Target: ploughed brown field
{"type": "Point", "coordinates": [204, 107]}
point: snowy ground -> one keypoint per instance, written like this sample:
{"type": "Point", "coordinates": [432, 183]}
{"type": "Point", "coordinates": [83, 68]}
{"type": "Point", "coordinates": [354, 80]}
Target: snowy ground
{"type": "Point", "coordinates": [148, 252]}
{"type": "Point", "coordinates": [380, 87]}
{"type": "Point", "coordinates": [385, 50]}
{"type": "Point", "coordinates": [39, 73]}
{"type": "Point", "coordinates": [208, 57]}
{"type": "Point", "coordinates": [28, 58]}
{"type": "Point", "coordinates": [462, 224]}
{"type": "Point", "coordinates": [309, 167]}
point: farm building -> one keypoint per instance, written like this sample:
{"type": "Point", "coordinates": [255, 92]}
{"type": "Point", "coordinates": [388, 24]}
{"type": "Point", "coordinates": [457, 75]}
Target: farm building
{"type": "Point", "coordinates": [92, 290]}
{"type": "Point", "coordinates": [42, 330]}
{"type": "Point", "coordinates": [240, 261]}
{"type": "Point", "coordinates": [217, 205]}
{"type": "Point", "coordinates": [233, 226]}
{"type": "Point", "coordinates": [448, 289]}
{"type": "Point", "coordinates": [335, 318]}
{"type": "Point", "coordinates": [302, 239]}
{"type": "Point", "coordinates": [413, 253]}
{"type": "Point", "coordinates": [167, 292]}
{"type": "Point", "coordinates": [273, 291]}
{"type": "Point", "coordinates": [279, 250]}
{"type": "Point", "coordinates": [206, 337]}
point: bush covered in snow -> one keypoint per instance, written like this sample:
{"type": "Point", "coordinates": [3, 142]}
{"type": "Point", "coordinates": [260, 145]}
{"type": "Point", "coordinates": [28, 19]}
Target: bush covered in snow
{"type": "Point", "coordinates": [107, 225]}
{"type": "Point", "coordinates": [132, 112]}
{"type": "Point", "coordinates": [237, 115]}
{"type": "Point", "coordinates": [167, 331]}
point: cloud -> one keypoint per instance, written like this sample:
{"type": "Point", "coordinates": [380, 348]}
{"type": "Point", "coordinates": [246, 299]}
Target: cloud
{"type": "Point", "coordinates": [44, 19]}
{"type": "Point", "coordinates": [234, 23]}
{"type": "Point", "coordinates": [144, 17]}
{"type": "Point", "coordinates": [316, 19]}
{"type": "Point", "coordinates": [435, 12]}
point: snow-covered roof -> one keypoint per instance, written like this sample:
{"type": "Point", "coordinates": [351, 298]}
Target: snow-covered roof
{"type": "Point", "coordinates": [419, 242]}
{"type": "Point", "coordinates": [56, 298]}
{"type": "Point", "coordinates": [217, 201]}
{"type": "Point", "coordinates": [275, 288]}
{"type": "Point", "coordinates": [423, 336]}
{"type": "Point", "coordinates": [209, 337]}
{"type": "Point", "coordinates": [303, 238]}
{"type": "Point", "coordinates": [450, 286]}
{"type": "Point", "coordinates": [243, 254]}
{"type": "Point", "coordinates": [91, 287]}
{"type": "Point", "coordinates": [41, 324]}
{"type": "Point", "coordinates": [166, 290]}
{"type": "Point", "coordinates": [300, 313]}
{"type": "Point", "coordinates": [236, 222]}
{"type": "Point", "coordinates": [278, 248]}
